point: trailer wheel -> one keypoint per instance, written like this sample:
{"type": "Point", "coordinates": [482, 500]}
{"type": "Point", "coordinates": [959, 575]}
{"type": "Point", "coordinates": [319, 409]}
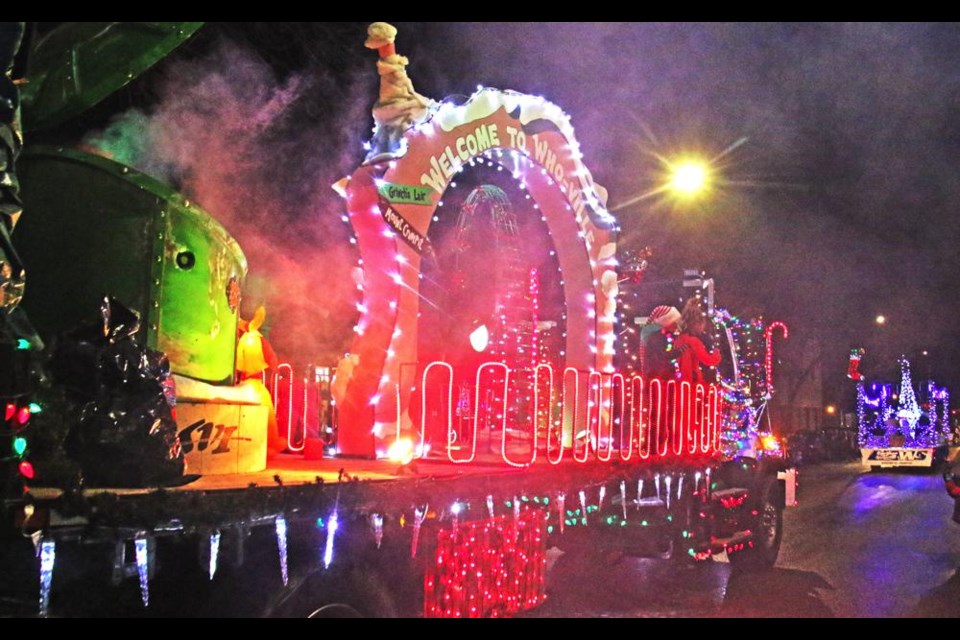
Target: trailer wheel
{"type": "Point", "coordinates": [768, 532]}
{"type": "Point", "coordinates": [350, 594]}
{"type": "Point", "coordinates": [335, 611]}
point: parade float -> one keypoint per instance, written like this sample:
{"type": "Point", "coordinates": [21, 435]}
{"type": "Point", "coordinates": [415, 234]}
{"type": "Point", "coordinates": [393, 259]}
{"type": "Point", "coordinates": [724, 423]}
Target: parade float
{"type": "Point", "coordinates": [901, 427]}
{"type": "Point", "coordinates": [480, 418]}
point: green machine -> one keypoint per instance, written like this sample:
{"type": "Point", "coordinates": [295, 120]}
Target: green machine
{"type": "Point", "coordinates": [97, 227]}
{"type": "Point", "coordinates": [93, 226]}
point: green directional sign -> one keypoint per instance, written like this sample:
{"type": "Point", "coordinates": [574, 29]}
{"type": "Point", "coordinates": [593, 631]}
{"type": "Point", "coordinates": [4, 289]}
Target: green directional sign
{"type": "Point", "coordinates": [405, 194]}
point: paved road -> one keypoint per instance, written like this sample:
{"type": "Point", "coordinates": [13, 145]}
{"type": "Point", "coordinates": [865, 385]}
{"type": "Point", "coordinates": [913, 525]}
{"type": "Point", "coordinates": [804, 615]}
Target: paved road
{"type": "Point", "coordinates": [859, 545]}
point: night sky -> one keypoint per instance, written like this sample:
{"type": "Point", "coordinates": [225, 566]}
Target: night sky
{"type": "Point", "coordinates": [836, 147]}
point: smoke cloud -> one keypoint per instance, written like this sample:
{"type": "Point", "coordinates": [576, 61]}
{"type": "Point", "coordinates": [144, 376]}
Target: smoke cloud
{"type": "Point", "coordinates": [240, 142]}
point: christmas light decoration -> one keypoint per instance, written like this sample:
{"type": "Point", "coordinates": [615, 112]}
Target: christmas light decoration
{"type": "Point", "coordinates": [490, 506]}
{"type": "Point", "coordinates": [853, 369]}
{"type": "Point", "coordinates": [745, 395]}
{"type": "Point", "coordinates": [143, 568]}
{"type": "Point", "coordinates": [623, 497]}
{"type": "Point", "coordinates": [909, 409]}
{"type": "Point", "coordinates": [451, 433]}
{"type": "Point", "coordinates": [455, 510]}
{"type": "Point", "coordinates": [541, 405]}
{"type": "Point", "coordinates": [480, 339]}
{"type": "Point", "coordinates": [768, 336]}
{"type": "Point", "coordinates": [26, 470]}
{"type": "Point", "coordinates": [214, 541]}
{"type": "Point", "coordinates": [391, 230]}
{"type": "Point", "coordinates": [561, 508]}
{"type": "Point", "coordinates": [401, 452]}
{"type": "Point", "coordinates": [376, 521]}
{"type": "Point", "coordinates": [418, 517]}
{"type": "Point", "coordinates": [280, 527]}
{"type": "Point", "coordinates": [938, 397]}
{"type": "Point", "coordinates": [486, 569]}
{"type": "Point", "coordinates": [48, 557]}
{"type": "Point", "coordinates": [332, 525]}
{"type": "Point", "coordinates": [284, 400]}
{"type": "Point", "coordinates": [912, 425]}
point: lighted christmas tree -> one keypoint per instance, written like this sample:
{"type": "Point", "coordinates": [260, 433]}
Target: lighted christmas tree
{"type": "Point", "coordinates": [909, 410]}
{"type": "Point", "coordinates": [925, 425]}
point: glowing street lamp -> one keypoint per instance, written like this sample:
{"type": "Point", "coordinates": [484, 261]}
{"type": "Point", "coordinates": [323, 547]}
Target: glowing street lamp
{"type": "Point", "coordinates": [689, 178]}
{"type": "Point", "coordinates": [881, 320]}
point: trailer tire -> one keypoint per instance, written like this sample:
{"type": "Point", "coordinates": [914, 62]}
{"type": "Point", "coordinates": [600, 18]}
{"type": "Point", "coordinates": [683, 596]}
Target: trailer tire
{"type": "Point", "coordinates": [355, 593]}
{"type": "Point", "coordinates": [768, 535]}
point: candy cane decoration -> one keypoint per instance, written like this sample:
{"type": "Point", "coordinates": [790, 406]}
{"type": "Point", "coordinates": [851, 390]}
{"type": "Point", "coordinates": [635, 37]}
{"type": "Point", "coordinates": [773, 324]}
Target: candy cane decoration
{"type": "Point", "coordinates": [769, 337]}
{"type": "Point", "coordinates": [452, 435]}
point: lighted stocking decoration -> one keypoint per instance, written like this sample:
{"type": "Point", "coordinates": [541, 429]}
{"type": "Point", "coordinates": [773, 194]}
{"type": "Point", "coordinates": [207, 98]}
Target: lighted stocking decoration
{"type": "Point", "coordinates": [853, 369]}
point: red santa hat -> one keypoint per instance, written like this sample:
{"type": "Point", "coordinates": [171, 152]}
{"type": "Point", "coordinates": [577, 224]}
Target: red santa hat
{"type": "Point", "coordinates": [665, 316]}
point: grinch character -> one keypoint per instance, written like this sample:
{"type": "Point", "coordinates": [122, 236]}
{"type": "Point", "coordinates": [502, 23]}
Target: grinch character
{"type": "Point", "coordinates": [254, 357]}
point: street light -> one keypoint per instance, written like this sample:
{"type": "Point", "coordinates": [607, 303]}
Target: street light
{"type": "Point", "coordinates": [689, 178]}
{"type": "Point", "coordinates": [881, 320]}
{"type": "Point", "coordinates": [677, 180]}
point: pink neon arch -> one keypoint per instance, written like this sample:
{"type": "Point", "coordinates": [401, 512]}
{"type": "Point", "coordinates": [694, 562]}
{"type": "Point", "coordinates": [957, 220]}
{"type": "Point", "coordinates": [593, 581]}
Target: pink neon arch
{"type": "Point", "coordinates": [549, 162]}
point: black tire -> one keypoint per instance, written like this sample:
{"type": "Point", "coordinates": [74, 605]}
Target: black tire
{"type": "Point", "coordinates": [354, 593]}
{"type": "Point", "coordinates": [768, 532]}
